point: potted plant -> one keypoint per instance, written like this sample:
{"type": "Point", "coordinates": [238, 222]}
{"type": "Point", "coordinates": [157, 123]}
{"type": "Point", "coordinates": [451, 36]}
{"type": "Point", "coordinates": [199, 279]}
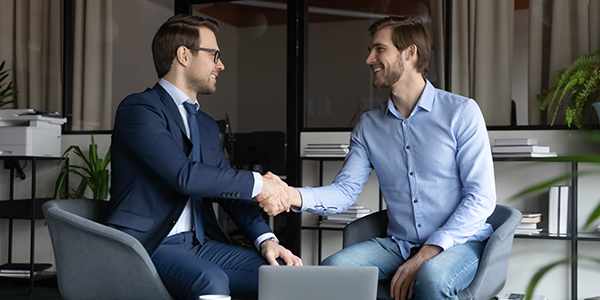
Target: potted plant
{"type": "Point", "coordinates": [7, 91]}
{"type": "Point", "coordinates": [592, 218]}
{"type": "Point", "coordinates": [582, 80]}
{"type": "Point", "coordinates": [94, 174]}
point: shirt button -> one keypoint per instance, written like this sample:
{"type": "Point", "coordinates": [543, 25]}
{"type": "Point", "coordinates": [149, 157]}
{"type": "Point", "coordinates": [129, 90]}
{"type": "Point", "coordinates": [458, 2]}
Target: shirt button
{"type": "Point", "coordinates": [405, 122]}
{"type": "Point", "coordinates": [173, 222]}
{"type": "Point", "coordinates": [415, 201]}
{"type": "Point", "coordinates": [419, 225]}
{"type": "Point", "coordinates": [237, 195]}
{"type": "Point", "coordinates": [407, 147]}
{"type": "Point", "coordinates": [411, 173]}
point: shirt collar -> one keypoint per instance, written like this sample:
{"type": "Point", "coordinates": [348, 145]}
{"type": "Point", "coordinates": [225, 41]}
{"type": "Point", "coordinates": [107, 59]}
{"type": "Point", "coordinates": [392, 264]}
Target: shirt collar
{"type": "Point", "coordinates": [178, 96]}
{"type": "Point", "coordinates": [425, 101]}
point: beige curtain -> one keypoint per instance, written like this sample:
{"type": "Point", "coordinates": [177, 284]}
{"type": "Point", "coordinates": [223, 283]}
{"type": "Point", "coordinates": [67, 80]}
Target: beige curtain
{"type": "Point", "coordinates": [92, 70]}
{"type": "Point", "coordinates": [31, 43]}
{"type": "Point", "coordinates": [559, 32]}
{"type": "Point", "coordinates": [482, 48]}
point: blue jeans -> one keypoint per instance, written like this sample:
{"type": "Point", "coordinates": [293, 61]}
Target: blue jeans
{"type": "Point", "coordinates": [442, 277]}
{"type": "Point", "coordinates": [189, 269]}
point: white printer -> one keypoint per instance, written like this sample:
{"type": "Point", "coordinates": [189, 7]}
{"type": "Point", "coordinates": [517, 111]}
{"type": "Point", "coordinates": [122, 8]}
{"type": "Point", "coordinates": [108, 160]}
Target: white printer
{"type": "Point", "coordinates": [28, 132]}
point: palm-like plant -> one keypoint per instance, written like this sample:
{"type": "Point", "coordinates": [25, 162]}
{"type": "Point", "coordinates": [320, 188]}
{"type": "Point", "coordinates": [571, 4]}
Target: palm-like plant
{"type": "Point", "coordinates": [592, 218]}
{"type": "Point", "coordinates": [95, 174]}
{"type": "Point", "coordinates": [7, 91]}
{"type": "Point", "coordinates": [582, 79]}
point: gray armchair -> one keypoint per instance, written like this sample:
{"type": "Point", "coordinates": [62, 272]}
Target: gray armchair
{"type": "Point", "coordinates": [493, 267]}
{"type": "Point", "coordinates": [94, 261]}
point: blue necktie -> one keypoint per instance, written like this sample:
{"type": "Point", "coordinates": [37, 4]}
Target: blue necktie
{"type": "Point", "coordinates": [196, 205]}
{"type": "Point", "coordinates": [193, 125]}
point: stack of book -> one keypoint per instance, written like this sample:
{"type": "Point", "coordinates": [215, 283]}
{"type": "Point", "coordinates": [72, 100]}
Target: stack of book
{"type": "Point", "coordinates": [21, 270]}
{"type": "Point", "coordinates": [326, 150]}
{"type": "Point", "coordinates": [342, 219]}
{"type": "Point", "coordinates": [558, 209]}
{"type": "Point", "coordinates": [523, 147]}
{"type": "Point", "coordinates": [529, 224]}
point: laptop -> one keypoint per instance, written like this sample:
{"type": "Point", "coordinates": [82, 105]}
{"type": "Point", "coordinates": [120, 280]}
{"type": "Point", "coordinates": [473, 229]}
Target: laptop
{"type": "Point", "coordinates": [317, 283]}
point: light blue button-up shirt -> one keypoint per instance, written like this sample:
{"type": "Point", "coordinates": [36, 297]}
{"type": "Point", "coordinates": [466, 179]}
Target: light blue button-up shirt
{"type": "Point", "coordinates": [435, 171]}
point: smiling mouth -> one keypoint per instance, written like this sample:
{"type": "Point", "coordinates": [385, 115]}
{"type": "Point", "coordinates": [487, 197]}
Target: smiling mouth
{"type": "Point", "coordinates": [213, 76]}
{"type": "Point", "coordinates": [376, 70]}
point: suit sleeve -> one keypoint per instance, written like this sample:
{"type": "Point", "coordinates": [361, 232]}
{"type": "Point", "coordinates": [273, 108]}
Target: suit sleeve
{"type": "Point", "coordinates": [144, 130]}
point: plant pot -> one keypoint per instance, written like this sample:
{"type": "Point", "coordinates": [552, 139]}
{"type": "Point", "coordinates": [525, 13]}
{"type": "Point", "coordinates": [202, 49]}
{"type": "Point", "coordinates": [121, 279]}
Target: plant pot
{"type": "Point", "coordinates": [597, 107]}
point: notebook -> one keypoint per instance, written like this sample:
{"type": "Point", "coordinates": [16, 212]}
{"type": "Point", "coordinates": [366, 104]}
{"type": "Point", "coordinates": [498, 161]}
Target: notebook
{"type": "Point", "coordinates": [317, 283]}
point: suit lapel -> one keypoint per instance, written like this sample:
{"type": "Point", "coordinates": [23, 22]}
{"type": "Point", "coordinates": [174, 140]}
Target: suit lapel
{"type": "Point", "coordinates": [170, 105]}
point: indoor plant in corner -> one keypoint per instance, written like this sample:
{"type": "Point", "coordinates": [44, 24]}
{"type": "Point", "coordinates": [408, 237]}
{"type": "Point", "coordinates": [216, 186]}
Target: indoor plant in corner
{"type": "Point", "coordinates": [94, 174]}
{"type": "Point", "coordinates": [7, 91]}
{"type": "Point", "coordinates": [582, 80]}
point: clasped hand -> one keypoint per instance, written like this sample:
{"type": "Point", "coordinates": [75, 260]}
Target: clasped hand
{"type": "Point", "coordinates": [274, 197]}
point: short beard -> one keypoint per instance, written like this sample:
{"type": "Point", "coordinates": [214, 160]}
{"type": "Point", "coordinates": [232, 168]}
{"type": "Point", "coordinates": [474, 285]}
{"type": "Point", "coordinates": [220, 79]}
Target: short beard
{"type": "Point", "coordinates": [200, 86]}
{"type": "Point", "coordinates": [392, 76]}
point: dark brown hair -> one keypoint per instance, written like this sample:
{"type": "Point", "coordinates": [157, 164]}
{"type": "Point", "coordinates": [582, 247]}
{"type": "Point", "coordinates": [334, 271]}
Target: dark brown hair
{"type": "Point", "coordinates": [406, 31]}
{"type": "Point", "coordinates": [179, 30]}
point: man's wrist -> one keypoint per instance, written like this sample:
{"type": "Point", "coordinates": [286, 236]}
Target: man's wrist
{"type": "Point", "coordinates": [274, 239]}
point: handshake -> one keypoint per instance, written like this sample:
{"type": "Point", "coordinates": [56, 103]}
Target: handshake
{"type": "Point", "coordinates": [276, 196]}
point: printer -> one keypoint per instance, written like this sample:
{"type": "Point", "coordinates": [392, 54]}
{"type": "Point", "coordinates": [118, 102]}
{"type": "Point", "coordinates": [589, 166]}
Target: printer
{"type": "Point", "coordinates": [29, 132]}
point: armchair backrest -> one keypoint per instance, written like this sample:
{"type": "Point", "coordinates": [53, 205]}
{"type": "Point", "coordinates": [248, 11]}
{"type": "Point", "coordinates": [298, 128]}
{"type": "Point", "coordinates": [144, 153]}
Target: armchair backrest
{"type": "Point", "coordinates": [94, 261]}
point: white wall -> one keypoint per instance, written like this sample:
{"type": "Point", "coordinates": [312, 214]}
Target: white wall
{"type": "Point", "coordinates": [527, 255]}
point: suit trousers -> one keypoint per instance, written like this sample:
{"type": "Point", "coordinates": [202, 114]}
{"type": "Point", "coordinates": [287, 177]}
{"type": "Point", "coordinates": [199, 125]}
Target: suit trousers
{"type": "Point", "coordinates": [190, 269]}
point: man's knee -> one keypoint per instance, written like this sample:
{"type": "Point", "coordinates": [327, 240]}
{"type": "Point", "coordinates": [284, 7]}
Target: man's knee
{"type": "Point", "coordinates": [213, 283]}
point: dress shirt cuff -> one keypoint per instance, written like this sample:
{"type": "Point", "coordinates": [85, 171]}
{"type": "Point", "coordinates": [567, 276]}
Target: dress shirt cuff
{"type": "Point", "coordinates": [307, 199]}
{"type": "Point", "coordinates": [263, 237]}
{"type": "Point", "coordinates": [441, 239]}
{"type": "Point", "coordinates": [258, 184]}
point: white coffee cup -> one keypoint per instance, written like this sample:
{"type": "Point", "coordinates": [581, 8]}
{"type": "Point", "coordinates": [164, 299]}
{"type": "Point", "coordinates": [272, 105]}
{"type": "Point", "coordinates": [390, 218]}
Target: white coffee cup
{"type": "Point", "coordinates": [215, 297]}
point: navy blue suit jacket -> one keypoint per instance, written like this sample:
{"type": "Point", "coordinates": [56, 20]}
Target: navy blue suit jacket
{"type": "Point", "coordinates": [153, 175]}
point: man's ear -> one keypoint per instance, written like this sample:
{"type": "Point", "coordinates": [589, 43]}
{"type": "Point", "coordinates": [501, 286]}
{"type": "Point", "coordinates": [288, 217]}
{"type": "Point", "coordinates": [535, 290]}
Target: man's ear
{"type": "Point", "coordinates": [182, 56]}
{"type": "Point", "coordinates": [411, 53]}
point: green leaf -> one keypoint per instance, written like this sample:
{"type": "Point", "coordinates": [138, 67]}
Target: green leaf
{"type": "Point", "coordinates": [592, 218]}
{"type": "Point", "coordinates": [539, 274]}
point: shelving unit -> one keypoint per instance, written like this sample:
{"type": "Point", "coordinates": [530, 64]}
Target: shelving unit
{"type": "Point", "coordinates": [25, 209]}
{"type": "Point", "coordinates": [572, 235]}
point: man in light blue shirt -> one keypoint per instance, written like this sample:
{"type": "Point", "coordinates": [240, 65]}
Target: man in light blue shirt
{"type": "Point", "coordinates": [431, 152]}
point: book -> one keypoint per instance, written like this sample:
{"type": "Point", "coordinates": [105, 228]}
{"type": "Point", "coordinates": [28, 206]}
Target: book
{"type": "Point", "coordinates": [332, 224]}
{"type": "Point", "coordinates": [553, 209]}
{"type": "Point", "coordinates": [563, 209]}
{"type": "Point", "coordinates": [531, 218]}
{"type": "Point", "coordinates": [343, 217]}
{"type": "Point", "coordinates": [325, 155]}
{"type": "Point", "coordinates": [516, 142]}
{"type": "Point", "coordinates": [527, 226]}
{"type": "Point", "coordinates": [521, 149]}
{"type": "Point", "coordinates": [327, 145]}
{"type": "Point", "coordinates": [528, 231]}
{"type": "Point", "coordinates": [530, 154]}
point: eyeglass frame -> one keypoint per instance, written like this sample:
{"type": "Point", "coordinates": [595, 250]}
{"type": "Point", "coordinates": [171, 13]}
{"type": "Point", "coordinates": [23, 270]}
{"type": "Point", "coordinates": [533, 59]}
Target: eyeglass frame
{"type": "Point", "coordinates": [215, 51]}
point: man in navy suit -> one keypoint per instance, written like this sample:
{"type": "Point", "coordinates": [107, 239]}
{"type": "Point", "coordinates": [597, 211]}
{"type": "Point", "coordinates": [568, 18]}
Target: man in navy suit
{"type": "Point", "coordinates": [168, 168]}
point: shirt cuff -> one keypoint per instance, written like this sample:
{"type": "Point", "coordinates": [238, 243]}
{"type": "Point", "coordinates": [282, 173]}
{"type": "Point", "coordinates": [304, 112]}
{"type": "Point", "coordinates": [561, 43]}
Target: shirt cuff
{"type": "Point", "coordinates": [258, 184]}
{"type": "Point", "coordinates": [441, 239]}
{"type": "Point", "coordinates": [263, 237]}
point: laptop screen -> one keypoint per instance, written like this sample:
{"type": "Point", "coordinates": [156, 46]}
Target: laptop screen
{"type": "Point", "coordinates": [317, 282]}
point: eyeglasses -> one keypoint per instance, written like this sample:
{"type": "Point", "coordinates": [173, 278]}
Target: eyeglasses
{"type": "Point", "coordinates": [215, 51]}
